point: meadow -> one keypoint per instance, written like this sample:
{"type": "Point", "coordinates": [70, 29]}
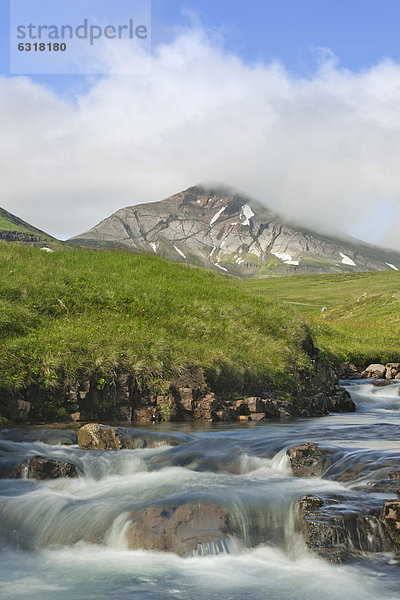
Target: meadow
{"type": "Point", "coordinates": [76, 313]}
{"type": "Point", "coordinates": [353, 317]}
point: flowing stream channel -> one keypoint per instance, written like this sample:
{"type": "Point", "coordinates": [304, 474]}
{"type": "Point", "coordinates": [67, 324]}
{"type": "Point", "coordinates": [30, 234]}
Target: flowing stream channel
{"type": "Point", "coordinates": [66, 538]}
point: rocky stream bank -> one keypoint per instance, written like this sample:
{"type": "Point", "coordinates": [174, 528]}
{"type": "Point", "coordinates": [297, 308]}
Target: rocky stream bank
{"type": "Point", "coordinates": [188, 395]}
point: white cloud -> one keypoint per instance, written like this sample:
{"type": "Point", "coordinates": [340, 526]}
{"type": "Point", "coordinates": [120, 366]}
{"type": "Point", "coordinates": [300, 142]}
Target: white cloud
{"type": "Point", "coordinates": [323, 150]}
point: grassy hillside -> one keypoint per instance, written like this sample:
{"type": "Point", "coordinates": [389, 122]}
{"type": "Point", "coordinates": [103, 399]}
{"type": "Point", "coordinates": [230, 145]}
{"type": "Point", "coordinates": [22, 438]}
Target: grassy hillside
{"type": "Point", "coordinates": [14, 229]}
{"type": "Point", "coordinates": [82, 311]}
{"type": "Point", "coordinates": [362, 323]}
{"type": "Point", "coordinates": [7, 225]}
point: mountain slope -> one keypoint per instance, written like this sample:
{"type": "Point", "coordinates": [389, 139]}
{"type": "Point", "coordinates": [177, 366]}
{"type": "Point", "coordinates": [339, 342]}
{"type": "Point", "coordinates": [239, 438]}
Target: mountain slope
{"type": "Point", "coordinates": [218, 228]}
{"type": "Point", "coordinates": [14, 229]}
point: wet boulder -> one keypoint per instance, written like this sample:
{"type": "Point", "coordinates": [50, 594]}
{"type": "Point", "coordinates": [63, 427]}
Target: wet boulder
{"type": "Point", "coordinates": [308, 460]}
{"type": "Point", "coordinates": [391, 520]}
{"type": "Point", "coordinates": [94, 436]}
{"type": "Point", "coordinates": [40, 467]}
{"type": "Point", "coordinates": [141, 438]}
{"type": "Point", "coordinates": [184, 529]}
{"type": "Point", "coordinates": [341, 402]}
{"type": "Point", "coordinates": [337, 530]}
{"type": "Point", "coordinates": [386, 481]}
{"type": "Point", "coordinates": [383, 383]}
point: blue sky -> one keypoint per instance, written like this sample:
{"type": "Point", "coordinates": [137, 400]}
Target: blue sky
{"type": "Point", "coordinates": [359, 32]}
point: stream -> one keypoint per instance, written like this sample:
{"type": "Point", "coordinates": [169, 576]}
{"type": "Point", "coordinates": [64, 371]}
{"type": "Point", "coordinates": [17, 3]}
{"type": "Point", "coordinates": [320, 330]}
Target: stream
{"type": "Point", "coordinates": [65, 539]}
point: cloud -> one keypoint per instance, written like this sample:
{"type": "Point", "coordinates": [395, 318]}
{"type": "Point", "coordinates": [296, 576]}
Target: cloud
{"type": "Point", "coordinates": [322, 150]}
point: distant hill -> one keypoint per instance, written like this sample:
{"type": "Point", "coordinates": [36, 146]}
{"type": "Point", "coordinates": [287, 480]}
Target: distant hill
{"type": "Point", "coordinates": [227, 231]}
{"type": "Point", "coordinates": [14, 229]}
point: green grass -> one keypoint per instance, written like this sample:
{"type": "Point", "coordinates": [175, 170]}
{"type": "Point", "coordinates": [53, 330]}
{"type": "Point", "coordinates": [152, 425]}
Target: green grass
{"type": "Point", "coordinates": [362, 323]}
{"type": "Point", "coordinates": [99, 312]}
{"type": "Point", "coordinates": [7, 225]}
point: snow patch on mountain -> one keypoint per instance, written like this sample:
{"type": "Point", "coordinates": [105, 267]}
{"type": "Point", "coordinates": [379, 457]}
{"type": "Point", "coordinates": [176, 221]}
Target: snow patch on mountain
{"type": "Point", "coordinates": [346, 260]}
{"type": "Point", "coordinates": [219, 266]}
{"type": "Point", "coordinates": [217, 215]}
{"type": "Point", "coordinates": [286, 258]}
{"type": "Point", "coordinates": [247, 213]}
{"type": "Point", "coordinates": [179, 251]}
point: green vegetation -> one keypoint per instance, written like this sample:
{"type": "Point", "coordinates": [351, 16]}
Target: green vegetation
{"type": "Point", "coordinates": [79, 314]}
{"type": "Point", "coordinates": [362, 320]}
{"type": "Point", "coordinates": [14, 228]}
{"type": "Point", "coordinates": [7, 225]}
{"type": "Point", "coordinates": [97, 313]}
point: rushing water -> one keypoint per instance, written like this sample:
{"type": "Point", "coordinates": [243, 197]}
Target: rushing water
{"type": "Point", "coordinates": [65, 538]}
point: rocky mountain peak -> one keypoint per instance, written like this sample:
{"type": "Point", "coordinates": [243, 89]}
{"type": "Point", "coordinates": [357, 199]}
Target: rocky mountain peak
{"type": "Point", "coordinates": [220, 228]}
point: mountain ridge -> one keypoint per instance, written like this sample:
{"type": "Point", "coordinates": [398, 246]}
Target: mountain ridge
{"type": "Point", "coordinates": [217, 227]}
{"type": "Point", "coordinates": [14, 229]}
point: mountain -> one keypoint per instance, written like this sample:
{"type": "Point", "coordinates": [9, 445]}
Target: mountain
{"type": "Point", "coordinates": [14, 229]}
{"type": "Point", "coordinates": [225, 230]}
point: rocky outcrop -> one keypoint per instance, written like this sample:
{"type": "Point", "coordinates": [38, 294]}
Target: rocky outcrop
{"type": "Point", "coordinates": [348, 370]}
{"type": "Point", "coordinates": [14, 229]}
{"type": "Point", "coordinates": [123, 400]}
{"type": "Point", "coordinates": [186, 396]}
{"type": "Point", "coordinates": [41, 467]}
{"type": "Point", "coordinates": [338, 527]}
{"type": "Point", "coordinates": [99, 437]}
{"type": "Point", "coordinates": [336, 532]}
{"type": "Point", "coordinates": [308, 460]}
{"type": "Point", "coordinates": [184, 529]}
{"type": "Point", "coordinates": [229, 232]}
{"type": "Point", "coordinates": [388, 371]}
{"type": "Point", "coordinates": [391, 520]}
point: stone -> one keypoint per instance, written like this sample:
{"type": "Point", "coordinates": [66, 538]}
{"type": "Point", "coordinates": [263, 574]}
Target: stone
{"type": "Point", "coordinates": [223, 415]}
{"type": "Point", "coordinates": [348, 371]}
{"type": "Point", "coordinates": [337, 532]}
{"type": "Point", "coordinates": [257, 417]}
{"type": "Point", "coordinates": [94, 436]}
{"type": "Point", "coordinates": [40, 467]}
{"type": "Point", "coordinates": [383, 383]}
{"type": "Point", "coordinates": [393, 369]}
{"type": "Point", "coordinates": [203, 408]}
{"type": "Point", "coordinates": [184, 529]}
{"type": "Point", "coordinates": [391, 519]}
{"type": "Point", "coordinates": [186, 398]}
{"type": "Point", "coordinates": [24, 408]}
{"type": "Point", "coordinates": [341, 402]}
{"type": "Point", "coordinates": [376, 371]}
{"type": "Point", "coordinates": [145, 414]}
{"type": "Point", "coordinates": [278, 409]}
{"type": "Point", "coordinates": [256, 405]}
{"type": "Point", "coordinates": [306, 460]}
